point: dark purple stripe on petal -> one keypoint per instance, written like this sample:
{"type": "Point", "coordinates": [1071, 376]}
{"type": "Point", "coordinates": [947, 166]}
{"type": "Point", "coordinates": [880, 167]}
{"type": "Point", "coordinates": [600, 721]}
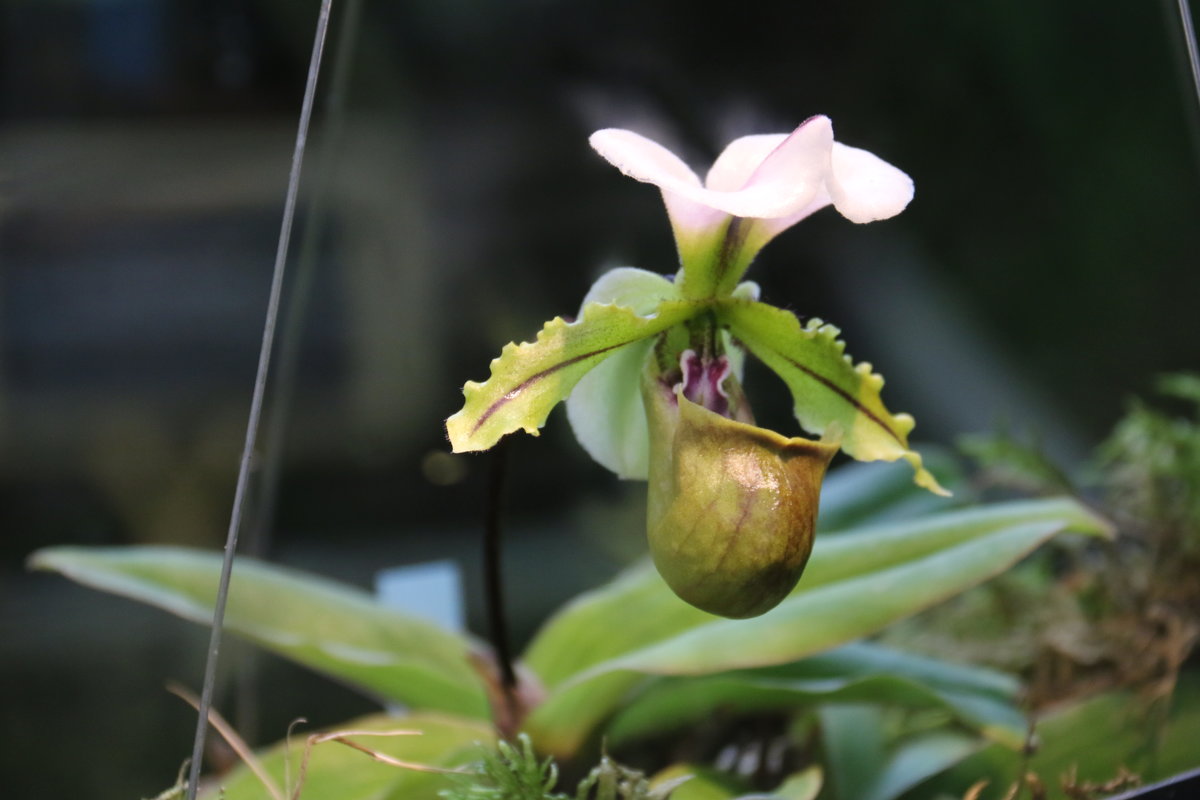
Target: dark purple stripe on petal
{"type": "Point", "coordinates": [833, 387]}
{"type": "Point", "coordinates": [513, 393]}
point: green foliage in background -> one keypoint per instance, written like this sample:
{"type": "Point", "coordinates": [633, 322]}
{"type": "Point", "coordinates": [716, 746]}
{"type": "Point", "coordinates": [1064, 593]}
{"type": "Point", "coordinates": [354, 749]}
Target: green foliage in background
{"type": "Point", "coordinates": [630, 661]}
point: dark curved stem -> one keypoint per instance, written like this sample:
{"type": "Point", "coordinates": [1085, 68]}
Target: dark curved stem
{"type": "Point", "coordinates": [492, 571]}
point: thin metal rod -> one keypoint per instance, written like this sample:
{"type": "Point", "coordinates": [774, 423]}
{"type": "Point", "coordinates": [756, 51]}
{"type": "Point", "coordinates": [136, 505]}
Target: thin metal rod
{"type": "Point", "coordinates": [295, 317]}
{"type": "Point", "coordinates": [256, 402]}
{"type": "Point", "coordinates": [257, 530]}
{"type": "Point", "coordinates": [296, 307]}
{"type": "Point", "coordinates": [1189, 37]}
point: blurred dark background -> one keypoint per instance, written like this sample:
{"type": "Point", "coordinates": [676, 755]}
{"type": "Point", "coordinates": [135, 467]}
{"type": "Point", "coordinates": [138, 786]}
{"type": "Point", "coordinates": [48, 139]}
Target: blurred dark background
{"type": "Point", "coordinates": [1046, 271]}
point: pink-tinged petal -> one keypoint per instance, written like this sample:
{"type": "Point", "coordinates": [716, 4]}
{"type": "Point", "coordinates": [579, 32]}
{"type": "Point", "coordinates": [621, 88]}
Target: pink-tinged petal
{"type": "Point", "coordinates": [784, 182]}
{"type": "Point", "coordinates": [689, 218]}
{"type": "Point", "coordinates": [864, 187]}
{"type": "Point", "coordinates": [644, 160]}
{"type": "Point", "coordinates": [738, 161]}
{"type": "Point", "coordinates": [694, 221]}
{"type": "Point", "coordinates": [787, 185]}
{"type": "Point", "coordinates": [794, 172]}
{"type": "Point", "coordinates": [758, 187]}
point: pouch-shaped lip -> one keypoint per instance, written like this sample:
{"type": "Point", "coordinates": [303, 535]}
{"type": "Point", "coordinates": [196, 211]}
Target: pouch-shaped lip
{"type": "Point", "coordinates": [732, 507]}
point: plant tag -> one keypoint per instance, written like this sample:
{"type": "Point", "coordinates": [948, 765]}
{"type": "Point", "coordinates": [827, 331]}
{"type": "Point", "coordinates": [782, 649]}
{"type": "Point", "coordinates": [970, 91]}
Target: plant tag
{"type": "Point", "coordinates": [432, 591]}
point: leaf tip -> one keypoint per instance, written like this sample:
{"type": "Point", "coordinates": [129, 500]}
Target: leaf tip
{"type": "Point", "coordinates": [1093, 522]}
{"type": "Point", "coordinates": [458, 432]}
{"type": "Point", "coordinates": [52, 559]}
{"type": "Point", "coordinates": [41, 560]}
{"type": "Point", "coordinates": [923, 477]}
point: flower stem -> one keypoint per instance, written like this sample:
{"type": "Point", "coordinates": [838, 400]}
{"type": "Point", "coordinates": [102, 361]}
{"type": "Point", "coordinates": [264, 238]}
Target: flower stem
{"type": "Point", "coordinates": [492, 572]}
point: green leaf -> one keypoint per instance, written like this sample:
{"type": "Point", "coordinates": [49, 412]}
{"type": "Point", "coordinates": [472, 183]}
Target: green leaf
{"type": "Point", "coordinates": [804, 785]}
{"type": "Point", "coordinates": [855, 584]}
{"type": "Point", "coordinates": [881, 546]}
{"type": "Point", "coordinates": [916, 760]}
{"type": "Point", "coordinates": [853, 742]}
{"type": "Point", "coordinates": [866, 493]}
{"type": "Point", "coordinates": [863, 765]}
{"type": "Point", "coordinates": [855, 673]}
{"type": "Point", "coordinates": [529, 379]}
{"type": "Point", "coordinates": [704, 783]}
{"type": "Point", "coordinates": [1016, 463]}
{"type": "Point", "coordinates": [330, 627]}
{"type": "Point", "coordinates": [1094, 737]}
{"type": "Point", "coordinates": [832, 395]}
{"type": "Point", "coordinates": [637, 609]}
{"type": "Point", "coordinates": [338, 772]}
{"type": "Point", "coordinates": [840, 611]}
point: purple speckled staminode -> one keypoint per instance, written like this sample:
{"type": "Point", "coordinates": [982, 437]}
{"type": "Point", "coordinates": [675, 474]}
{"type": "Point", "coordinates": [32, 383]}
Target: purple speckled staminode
{"type": "Point", "coordinates": [703, 380]}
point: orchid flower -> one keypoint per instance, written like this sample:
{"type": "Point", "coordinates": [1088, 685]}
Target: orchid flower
{"type": "Point", "coordinates": [651, 367]}
{"type": "Point", "coordinates": [757, 188]}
